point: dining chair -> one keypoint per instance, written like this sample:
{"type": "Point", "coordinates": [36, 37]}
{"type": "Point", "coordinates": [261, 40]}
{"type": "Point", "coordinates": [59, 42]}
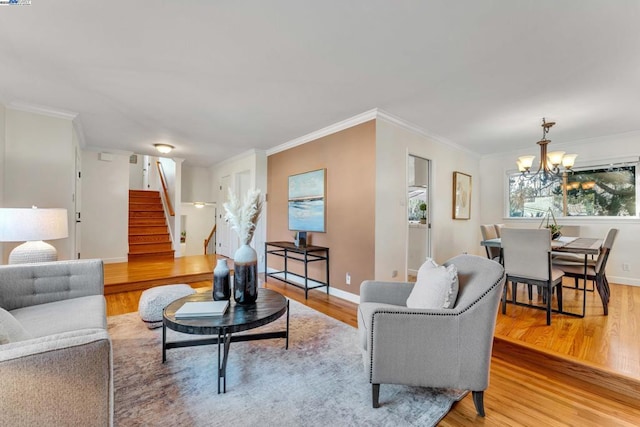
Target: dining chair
{"type": "Point", "coordinates": [595, 269]}
{"type": "Point", "coordinates": [527, 259]}
{"type": "Point", "coordinates": [489, 232]}
{"type": "Point", "coordinates": [499, 228]}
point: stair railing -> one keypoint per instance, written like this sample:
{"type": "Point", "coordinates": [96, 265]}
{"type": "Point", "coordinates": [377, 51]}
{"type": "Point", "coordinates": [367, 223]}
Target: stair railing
{"type": "Point", "coordinates": [164, 189]}
{"type": "Point", "coordinates": [208, 239]}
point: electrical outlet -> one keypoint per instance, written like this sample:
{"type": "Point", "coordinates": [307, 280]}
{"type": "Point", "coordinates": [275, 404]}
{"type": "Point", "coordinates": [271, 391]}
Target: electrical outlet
{"type": "Point", "coordinates": [626, 267]}
{"type": "Point", "coordinates": [347, 279]}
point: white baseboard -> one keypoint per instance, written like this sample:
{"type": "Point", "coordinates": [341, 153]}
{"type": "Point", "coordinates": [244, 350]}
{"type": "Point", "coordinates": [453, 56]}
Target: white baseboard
{"type": "Point", "coordinates": [113, 260]}
{"type": "Point", "coordinates": [624, 280]}
{"type": "Point", "coordinates": [332, 291]}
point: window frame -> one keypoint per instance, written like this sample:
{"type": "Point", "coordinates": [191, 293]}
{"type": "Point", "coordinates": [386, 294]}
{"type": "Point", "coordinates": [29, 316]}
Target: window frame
{"type": "Point", "coordinates": [625, 162]}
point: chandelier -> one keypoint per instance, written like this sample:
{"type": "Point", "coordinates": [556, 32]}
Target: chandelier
{"type": "Point", "coordinates": [549, 162]}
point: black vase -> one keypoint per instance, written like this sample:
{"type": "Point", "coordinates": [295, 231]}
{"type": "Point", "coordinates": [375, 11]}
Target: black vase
{"type": "Point", "coordinates": [245, 275]}
{"type": "Point", "coordinates": [221, 281]}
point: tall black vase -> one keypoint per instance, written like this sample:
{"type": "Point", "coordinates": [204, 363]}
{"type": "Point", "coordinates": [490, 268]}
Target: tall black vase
{"type": "Point", "coordinates": [245, 275]}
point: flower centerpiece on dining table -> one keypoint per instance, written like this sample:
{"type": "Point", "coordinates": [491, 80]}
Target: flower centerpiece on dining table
{"type": "Point", "coordinates": [243, 218]}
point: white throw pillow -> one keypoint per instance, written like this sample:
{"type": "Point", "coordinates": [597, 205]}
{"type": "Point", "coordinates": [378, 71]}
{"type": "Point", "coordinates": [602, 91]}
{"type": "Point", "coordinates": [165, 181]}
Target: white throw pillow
{"type": "Point", "coordinates": [435, 288]}
{"type": "Point", "coordinates": [10, 329]}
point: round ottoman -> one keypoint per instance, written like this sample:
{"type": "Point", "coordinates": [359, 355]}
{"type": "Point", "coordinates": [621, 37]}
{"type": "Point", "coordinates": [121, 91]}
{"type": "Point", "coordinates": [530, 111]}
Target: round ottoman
{"type": "Point", "coordinates": [154, 300]}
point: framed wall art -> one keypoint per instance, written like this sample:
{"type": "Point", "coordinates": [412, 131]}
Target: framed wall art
{"type": "Point", "coordinates": [307, 208]}
{"type": "Point", "coordinates": [461, 196]}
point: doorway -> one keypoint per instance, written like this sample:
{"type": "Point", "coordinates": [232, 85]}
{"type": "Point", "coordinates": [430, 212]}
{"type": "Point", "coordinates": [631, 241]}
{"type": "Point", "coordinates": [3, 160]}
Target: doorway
{"type": "Point", "coordinates": [418, 212]}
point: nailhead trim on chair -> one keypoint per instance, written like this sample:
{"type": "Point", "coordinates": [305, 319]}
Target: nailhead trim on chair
{"type": "Point", "coordinates": [423, 314]}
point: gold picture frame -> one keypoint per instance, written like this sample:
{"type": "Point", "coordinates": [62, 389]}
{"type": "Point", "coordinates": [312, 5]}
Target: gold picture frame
{"type": "Point", "coordinates": [461, 195]}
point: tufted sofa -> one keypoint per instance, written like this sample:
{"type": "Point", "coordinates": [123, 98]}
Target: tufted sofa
{"type": "Point", "coordinates": [56, 362]}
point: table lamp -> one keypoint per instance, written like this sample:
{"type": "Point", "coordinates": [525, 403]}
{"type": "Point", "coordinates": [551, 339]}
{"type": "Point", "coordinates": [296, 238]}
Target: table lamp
{"type": "Point", "coordinates": [33, 226]}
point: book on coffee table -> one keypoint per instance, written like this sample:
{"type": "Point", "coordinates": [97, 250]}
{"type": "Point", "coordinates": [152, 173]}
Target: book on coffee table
{"type": "Point", "coordinates": [202, 309]}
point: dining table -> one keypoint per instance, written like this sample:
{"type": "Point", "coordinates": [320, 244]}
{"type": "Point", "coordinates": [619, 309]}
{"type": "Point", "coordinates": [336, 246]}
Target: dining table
{"type": "Point", "coordinates": [574, 245]}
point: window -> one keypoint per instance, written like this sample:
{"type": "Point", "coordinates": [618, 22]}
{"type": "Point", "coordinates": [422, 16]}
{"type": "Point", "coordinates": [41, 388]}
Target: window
{"type": "Point", "coordinates": [597, 191]}
{"type": "Point", "coordinates": [417, 197]}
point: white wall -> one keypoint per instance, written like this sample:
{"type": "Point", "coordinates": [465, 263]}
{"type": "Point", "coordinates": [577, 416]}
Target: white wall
{"type": "Point", "coordinates": [255, 163]}
{"type": "Point", "coordinates": [196, 184]}
{"type": "Point", "coordinates": [417, 252]}
{"type": "Point", "coordinates": [105, 207]}
{"type": "Point", "coordinates": [448, 237]}
{"type": "Point", "coordinates": [38, 166]}
{"type": "Point", "coordinates": [198, 223]}
{"type": "Point", "coordinates": [2, 148]}
{"type": "Point", "coordinates": [493, 194]}
{"type": "Point", "coordinates": [136, 173]}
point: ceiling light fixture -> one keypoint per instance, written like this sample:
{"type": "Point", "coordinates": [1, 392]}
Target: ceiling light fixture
{"type": "Point", "coordinates": [549, 162]}
{"type": "Point", "coordinates": [164, 148]}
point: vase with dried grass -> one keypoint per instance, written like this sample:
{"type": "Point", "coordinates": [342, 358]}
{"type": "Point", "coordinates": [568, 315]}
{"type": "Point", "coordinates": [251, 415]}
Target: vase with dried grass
{"type": "Point", "coordinates": [243, 218]}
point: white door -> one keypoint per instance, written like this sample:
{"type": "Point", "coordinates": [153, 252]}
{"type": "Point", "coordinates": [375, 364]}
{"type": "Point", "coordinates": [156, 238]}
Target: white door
{"type": "Point", "coordinates": [77, 201]}
{"type": "Point", "coordinates": [419, 221]}
{"type": "Point", "coordinates": [223, 229]}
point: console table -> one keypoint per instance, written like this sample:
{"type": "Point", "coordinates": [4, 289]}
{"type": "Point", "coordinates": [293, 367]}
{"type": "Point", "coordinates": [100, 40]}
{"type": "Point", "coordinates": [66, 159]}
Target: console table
{"type": "Point", "coordinates": [306, 255]}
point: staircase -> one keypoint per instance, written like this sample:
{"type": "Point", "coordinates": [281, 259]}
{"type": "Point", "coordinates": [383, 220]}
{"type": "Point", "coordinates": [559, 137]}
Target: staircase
{"type": "Point", "coordinates": [148, 232]}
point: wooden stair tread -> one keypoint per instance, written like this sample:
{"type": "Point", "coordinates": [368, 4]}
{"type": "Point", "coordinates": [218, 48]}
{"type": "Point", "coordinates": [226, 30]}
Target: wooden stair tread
{"type": "Point", "coordinates": [153, 222]}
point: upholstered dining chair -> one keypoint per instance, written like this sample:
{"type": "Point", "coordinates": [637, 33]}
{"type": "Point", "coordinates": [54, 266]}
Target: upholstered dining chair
{"type": "Point", "coordinates": [527, 259]}
{"type": "Point", "coordinates": [595, 269]}
{"type": "Point", "coordinates": [432, 347]}
{"type": "Point", "coordinates": [499, 228]}
{"type": "Point", "coordinates": [489, 232]}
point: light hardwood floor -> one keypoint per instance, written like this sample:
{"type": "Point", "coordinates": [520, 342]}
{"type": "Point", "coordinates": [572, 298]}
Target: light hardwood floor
{"type": "Point", "coordinates": [526, 388]}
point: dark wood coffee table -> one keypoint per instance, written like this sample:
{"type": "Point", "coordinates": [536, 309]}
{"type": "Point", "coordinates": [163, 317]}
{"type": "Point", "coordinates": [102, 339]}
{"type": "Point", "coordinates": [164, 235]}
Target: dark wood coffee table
{"type": "Point", "coordinates": [269, 306]}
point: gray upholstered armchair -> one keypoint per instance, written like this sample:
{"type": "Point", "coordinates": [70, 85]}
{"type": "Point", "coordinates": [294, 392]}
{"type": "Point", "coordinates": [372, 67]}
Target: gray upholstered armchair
{"type": "Point", "coordinates": [448, 348]}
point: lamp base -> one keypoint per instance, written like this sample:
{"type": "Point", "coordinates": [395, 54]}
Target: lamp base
{"type": "Point", "coordinates": [30, 252]}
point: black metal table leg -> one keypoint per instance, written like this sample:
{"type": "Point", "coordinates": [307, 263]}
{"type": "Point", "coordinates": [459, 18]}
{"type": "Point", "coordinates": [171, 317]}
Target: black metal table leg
{"type": "Point", "coordinates": [306, 276]}
{"type": "Point", "coordinates": [220, 373]}
{"type": "Point", "coordinates": [224, 338]}
{"type": "Point", "coordinates": [327, 268]}
{"type": "Point", "coordinates": [286, 343]}
{"type": "Point", "coordinates": [584, 291]}
{"type": "Point", "coordinates": [164, 343]}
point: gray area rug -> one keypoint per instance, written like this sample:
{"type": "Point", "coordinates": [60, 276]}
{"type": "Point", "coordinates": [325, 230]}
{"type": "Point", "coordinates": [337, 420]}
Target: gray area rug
{"type": "Point", "coordinates": [318, 381]}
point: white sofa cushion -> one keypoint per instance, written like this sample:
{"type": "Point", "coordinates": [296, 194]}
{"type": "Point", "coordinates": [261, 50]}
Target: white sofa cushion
{"type": "Point", "coordinates": [10, 329]}
{"type": "Point", "coordinates": [436, 287]}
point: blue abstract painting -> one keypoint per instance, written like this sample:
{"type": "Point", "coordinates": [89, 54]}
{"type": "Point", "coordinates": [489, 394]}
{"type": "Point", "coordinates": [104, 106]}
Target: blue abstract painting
{"type": "Point", "coordinates": [307, 201]}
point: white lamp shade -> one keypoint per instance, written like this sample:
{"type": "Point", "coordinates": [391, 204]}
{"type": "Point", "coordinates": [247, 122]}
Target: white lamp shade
{"type": "Point", "coordinates": [526, 162]}
{"type": "Point", "coordinates": [33, 224]}
{"type": "Point", "coordinates": [569, 160]}
{"type": "Point", "coordinates": [555, 157]}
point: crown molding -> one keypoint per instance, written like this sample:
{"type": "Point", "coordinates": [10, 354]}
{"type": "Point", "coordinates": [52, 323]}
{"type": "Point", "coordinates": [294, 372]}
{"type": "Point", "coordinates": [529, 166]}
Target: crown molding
{"type": "Point", "coordinates": [373, 114]}
{"type": "Point", "coordinates": [331, 129]}
{"type": "Point", "coordinates": [39, 109]}
{"type": "Point", "coordinates": [244, 154]}
{"type": "Point", "coordinates": [82, 140]}
{"type": "Point", "coordinates": [406, 125]}
{"type": "Point", "coordinates": [98, 149]}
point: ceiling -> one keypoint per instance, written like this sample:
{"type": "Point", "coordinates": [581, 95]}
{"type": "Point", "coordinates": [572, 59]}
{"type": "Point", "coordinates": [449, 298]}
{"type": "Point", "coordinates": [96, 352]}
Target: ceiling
{"type": "Point", "coordinates": [217, 78]}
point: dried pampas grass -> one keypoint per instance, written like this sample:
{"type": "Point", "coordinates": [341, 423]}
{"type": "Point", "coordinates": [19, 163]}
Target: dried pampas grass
{"type": "Point", "coordinates": [243, 217]}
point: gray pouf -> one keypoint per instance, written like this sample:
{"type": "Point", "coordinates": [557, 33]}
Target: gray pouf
{"type": "Point", "coordinates": [154, 300]}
